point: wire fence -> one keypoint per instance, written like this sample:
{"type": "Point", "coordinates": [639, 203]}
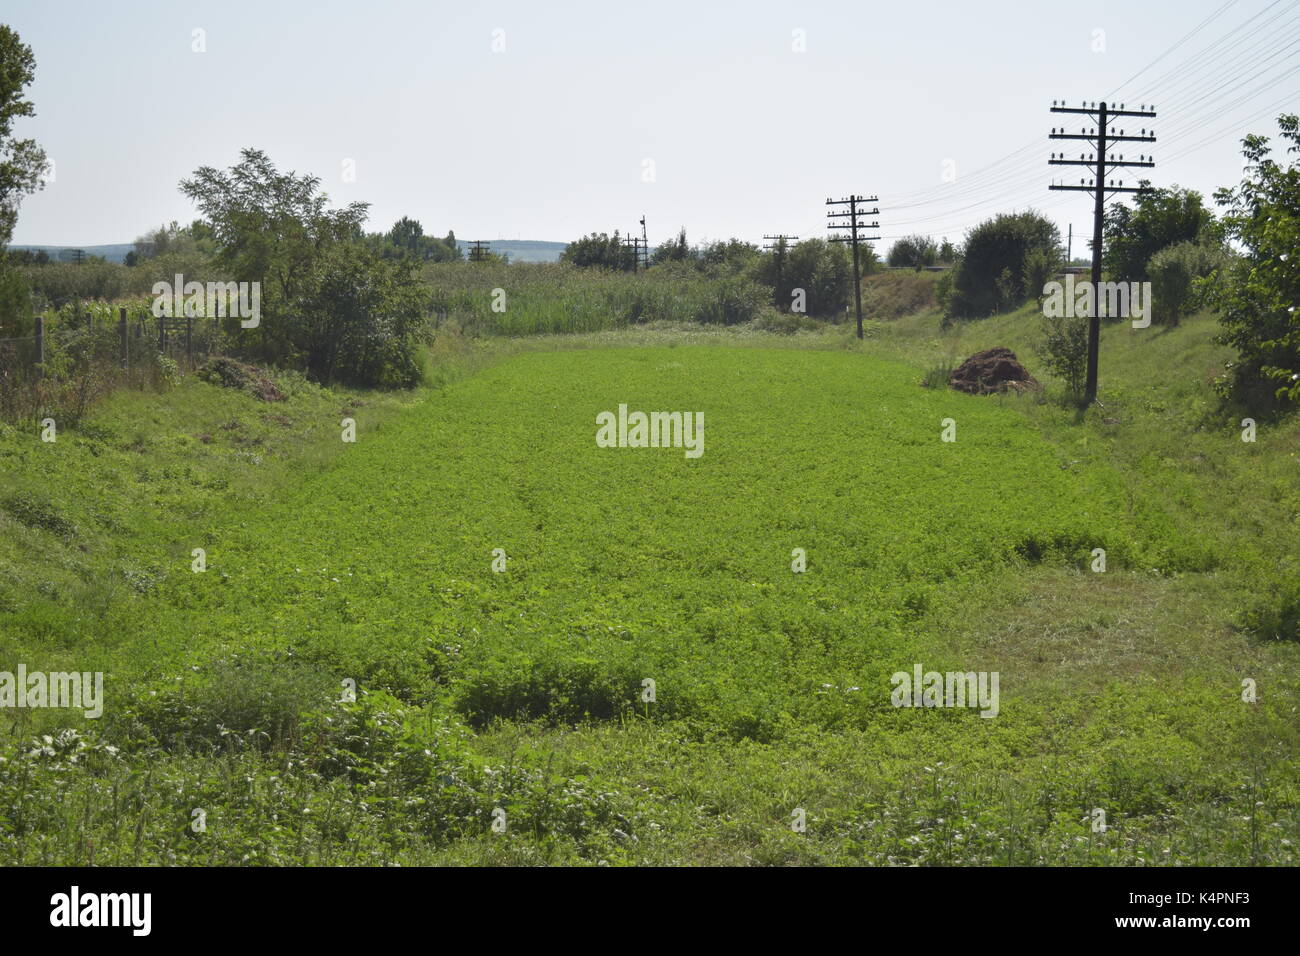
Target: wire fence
{"type": "Point", "coordinates": [75, 356]}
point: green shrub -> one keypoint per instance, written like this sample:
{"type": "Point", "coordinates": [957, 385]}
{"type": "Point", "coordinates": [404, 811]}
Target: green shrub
{"type": "Point", "coordinates": [35, 511]}
{"type": "Point", "coordinates": [1174, 271]}
{"type": "Point", "coordinates": [1000, 255]}
{"type": "Point", "coordinates": [1064, 350]}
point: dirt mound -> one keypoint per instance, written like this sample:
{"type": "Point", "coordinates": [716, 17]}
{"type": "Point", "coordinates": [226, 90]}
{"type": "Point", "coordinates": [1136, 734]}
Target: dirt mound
{"type": "Point", "coordinates": [993, 370]}
{"type": "Point", "coordinates": [229, 373]}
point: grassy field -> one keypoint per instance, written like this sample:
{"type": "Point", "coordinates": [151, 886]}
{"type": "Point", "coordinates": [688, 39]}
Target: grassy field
{"type": "Point", "coordinates": [517, 697]}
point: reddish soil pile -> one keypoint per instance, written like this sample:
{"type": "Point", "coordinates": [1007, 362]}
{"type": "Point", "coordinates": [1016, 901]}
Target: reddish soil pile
{"type": "Point", "coordinates": [993, 370]}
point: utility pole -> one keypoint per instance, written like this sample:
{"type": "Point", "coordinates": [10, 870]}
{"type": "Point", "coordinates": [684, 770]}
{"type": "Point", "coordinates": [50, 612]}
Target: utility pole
{"type": "Point", "coordinates": [777, 246]}
{"type": "Point", "coordinates": [645, 242]}
{"type": "Point", "coordinates": [635, 243]}
{"type": "Point", "coordinates": [854, 227]}
{"type": "Point", "coordinates": [1069, 245]}
{"type": "Point", "coordinates": [1101, 137]}
{"type": "Point", "coordinates": [478, 251]}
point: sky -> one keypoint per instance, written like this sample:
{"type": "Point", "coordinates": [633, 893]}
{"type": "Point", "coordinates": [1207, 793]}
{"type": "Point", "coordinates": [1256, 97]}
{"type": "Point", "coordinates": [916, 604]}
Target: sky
{"type": "Point", "coordinates": [553, 120]}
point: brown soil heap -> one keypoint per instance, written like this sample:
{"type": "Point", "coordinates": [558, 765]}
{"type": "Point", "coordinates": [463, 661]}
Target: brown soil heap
{"type": "Point", "coordinates": [993, 370]}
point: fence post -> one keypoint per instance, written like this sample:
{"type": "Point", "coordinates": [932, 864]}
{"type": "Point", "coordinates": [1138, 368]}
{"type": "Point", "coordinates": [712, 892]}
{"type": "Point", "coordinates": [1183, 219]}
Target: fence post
{"type": "Point", "coordinates": [189, 340]}
{"type": "Point", "coordinates": [121, 334]}
{"type": "Point", "coordinates": [40, 345]}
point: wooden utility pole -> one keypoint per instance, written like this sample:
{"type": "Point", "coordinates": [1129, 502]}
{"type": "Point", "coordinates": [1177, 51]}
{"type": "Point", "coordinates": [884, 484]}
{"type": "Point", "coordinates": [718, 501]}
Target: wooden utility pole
{"type": "Point", "coordinates": [856, 229]}
{"type": "Point", "coordinates": [777, 245]}
{"type": "Point", "coordinates": [478, 251]}
{"type": "Point", "coordinates": [1101, 137]}
{"type": "Point", "coordinates": [635, 243]}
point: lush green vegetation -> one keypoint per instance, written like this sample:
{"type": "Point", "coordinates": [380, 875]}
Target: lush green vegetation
{"type": "Point", "coordinates": [522, 690]}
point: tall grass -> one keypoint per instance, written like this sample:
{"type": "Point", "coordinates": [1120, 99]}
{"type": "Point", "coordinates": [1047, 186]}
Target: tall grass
{"type": "Point", "coordinates": [541, 298]}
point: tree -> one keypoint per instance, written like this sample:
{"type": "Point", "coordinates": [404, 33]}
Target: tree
{"type": "Point", "coordinates": [407, 240]}
{"type": "Point", "coordinates": [674, 250]}
{"type": "Point", "coordinates": [1041, 264]}
{"type": "Point", "coordinates": [1000, 254]}
{"type": "Point", "coordinates": [22, 162]}
{"type": "Point", "coordinates": [728, 255]}
{"type": "Point", "coordinates": [1257, 296]}
{"type": "Point", "coordinates": [947, 252]}
{"type": "Point", "coordinates": [913, 252]}
{"type": "Point", "coordinates": [600, 250]}
{"type": "Point", "coordinates": [1158, 218]}
{"type": "Point", "coordinates": [173, 239]}
{"type": "Point", "coordinates": [822, 269]}
{"type": "Point", "coordinates": [328, 306]}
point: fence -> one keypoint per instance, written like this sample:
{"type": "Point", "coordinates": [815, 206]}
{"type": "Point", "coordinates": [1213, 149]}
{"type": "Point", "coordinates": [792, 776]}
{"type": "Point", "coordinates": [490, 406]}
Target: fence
{"type": "Point", "coordinates": [79, 354]}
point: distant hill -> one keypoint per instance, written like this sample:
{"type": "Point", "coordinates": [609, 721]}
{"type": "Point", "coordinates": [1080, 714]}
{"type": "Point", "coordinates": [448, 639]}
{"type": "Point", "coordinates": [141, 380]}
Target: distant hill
{"type": "Point", "coordinates": [519, 250]}
{"type": "Point", "coordinates": [114, 252]}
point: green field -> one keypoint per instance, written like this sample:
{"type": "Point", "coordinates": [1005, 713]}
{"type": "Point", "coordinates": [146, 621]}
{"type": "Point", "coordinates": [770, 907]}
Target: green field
{"type": "Point", "coordinates": [522, 691]}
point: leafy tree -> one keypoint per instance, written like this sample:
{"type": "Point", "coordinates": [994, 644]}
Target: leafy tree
{"type": "Point", "coordinates": [914, 252]}
{"type": "Point", "coordinates": [728, 255]}
{"type": "Point", "coordinates": [1158, 218]}
{"type": "Point", "coordinates": [947, 252]}
{"type": "Point", "coordinates": [174, 239]}
{"type": "Point", "coordinates": [991, 273]}
{"type": "Point", "coordinates": [22, 162]}
{"type": "Point", "coordinates": [1258, 294]}
{"type": "Point", "coordinates": [328, 306]}
{"type": "Point", "coordinates": [822, 269]}
{"type": "Point", "coordinates": [407, 240]}
{"type": "Point", "coordinates": [602, 251]}
{"type": "Point", "coordinates": [674, 250]}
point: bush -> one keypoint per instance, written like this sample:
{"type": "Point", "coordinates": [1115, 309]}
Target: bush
{"type": "Point", "coordinates": [1000, 254]}
{"type": "Point", "coordinates": [730, 302]}
{"type": "Point", "coordinates": [37, 512]}
{"type": "Point", "coordinates": [1174, 271]}
{"type": "Point", "coordinates": [15, 301]}
{"type": "Point", "coordinates": [822, 269]}
{"type": "Point", "coordinates": [1064, 350]}
{"type": "Point", "coordinates": [1039, 269]}
{"type": "Point", "coordinates": [784, 323]}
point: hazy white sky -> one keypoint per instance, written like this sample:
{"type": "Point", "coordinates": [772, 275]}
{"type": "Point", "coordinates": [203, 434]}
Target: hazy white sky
{"type": "Point", "coordinates": [548, 137]}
